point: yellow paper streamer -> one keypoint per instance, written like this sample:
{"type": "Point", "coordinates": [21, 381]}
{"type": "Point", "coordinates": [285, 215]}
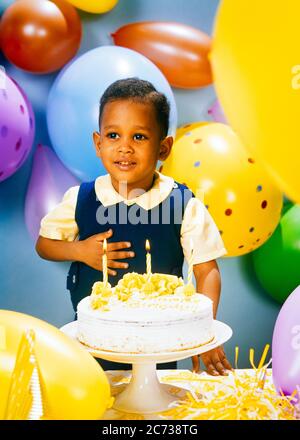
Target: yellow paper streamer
{"type": "Point", "coordinates": [246, 399]}
{"type": "Point", "coordinates": [236, 357]}
{"type": "Point", "coordinates": [263, 357]}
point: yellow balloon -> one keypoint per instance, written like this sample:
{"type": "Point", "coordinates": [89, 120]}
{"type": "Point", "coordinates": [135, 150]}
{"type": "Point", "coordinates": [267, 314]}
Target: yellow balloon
{"type": "Point", "coordinates": [242, 199]}
{"type": "Point", "coordinates": [256, 67]}
{"type": "Point", "coordinates": [94, 6]}
{"type": "Point", "coordinates": [7, 363]}
{"type": "Point", "coordinates": [75, 386]}
{"type": "Point", "coordinates": [187, 128]}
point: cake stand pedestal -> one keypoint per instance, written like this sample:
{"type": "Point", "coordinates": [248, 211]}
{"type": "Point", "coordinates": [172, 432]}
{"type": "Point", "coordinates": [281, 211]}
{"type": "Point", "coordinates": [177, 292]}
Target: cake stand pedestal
{"type": "Point", "coordinates": [145, 394]}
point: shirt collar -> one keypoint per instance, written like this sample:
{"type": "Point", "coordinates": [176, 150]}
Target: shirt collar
{"type": "Point", "coordinates": [160, 190]}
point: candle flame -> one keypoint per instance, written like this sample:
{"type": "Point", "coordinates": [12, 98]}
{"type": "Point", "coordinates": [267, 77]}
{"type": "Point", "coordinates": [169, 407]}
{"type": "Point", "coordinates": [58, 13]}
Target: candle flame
{"type": "Point", "coordinates": [104, 246]}
{"type": "Point", "coordinates": [147, 246]}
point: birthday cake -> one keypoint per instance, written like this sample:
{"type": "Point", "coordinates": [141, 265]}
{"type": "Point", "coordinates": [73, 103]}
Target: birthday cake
{"type": "Point", "coordinates": [145, 315]}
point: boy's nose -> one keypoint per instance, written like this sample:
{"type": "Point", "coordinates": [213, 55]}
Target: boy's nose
{"type": "Point", "coordinates": [126, 147]}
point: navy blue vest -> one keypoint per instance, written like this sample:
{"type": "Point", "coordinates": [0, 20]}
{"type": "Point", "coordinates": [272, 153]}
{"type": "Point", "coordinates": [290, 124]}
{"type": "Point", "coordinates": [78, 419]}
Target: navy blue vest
{"type": "Point", "coordinates": [160, 225]}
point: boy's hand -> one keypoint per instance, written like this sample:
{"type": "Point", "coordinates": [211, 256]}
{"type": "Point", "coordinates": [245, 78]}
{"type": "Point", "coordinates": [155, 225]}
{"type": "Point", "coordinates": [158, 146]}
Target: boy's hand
{"type": "Point", "coordinates": [215, 362]}
{"type": "Point", "coordinates": [91, 252]}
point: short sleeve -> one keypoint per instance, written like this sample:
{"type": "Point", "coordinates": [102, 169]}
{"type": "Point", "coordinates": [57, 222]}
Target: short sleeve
{"type": "Point", "coordinates": [60, 224]}
{"type": "Point", "coordinates": [198, 230]}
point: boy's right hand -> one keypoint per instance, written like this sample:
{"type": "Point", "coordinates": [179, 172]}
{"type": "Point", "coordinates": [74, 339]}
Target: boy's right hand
{"type": "Point", "coordinates": [91, 252]}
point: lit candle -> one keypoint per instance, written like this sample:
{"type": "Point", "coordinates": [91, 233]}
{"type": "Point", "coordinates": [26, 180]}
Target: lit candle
{"type": "Point", "coordinates": [190, 263]}
{"type": "Point", "coordinates": [148, 260]}
{"type": "Point", "coordinates": [104, 263]}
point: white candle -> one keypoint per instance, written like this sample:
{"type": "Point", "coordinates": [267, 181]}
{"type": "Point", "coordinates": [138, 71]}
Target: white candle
{"type": "Point", "coordinates": [104, 263]}
{"type": "Point", "coordinates": [148, 260]}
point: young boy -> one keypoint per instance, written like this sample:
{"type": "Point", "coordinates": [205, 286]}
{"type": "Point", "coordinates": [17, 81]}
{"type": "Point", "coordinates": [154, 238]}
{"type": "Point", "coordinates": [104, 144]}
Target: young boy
{"type": "Point", "coordinates": [132, 203]}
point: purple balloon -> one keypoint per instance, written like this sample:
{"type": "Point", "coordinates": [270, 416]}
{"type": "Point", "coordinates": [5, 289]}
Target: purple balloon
{"type": "Point", "coordinates": [286, 346]}
{"type": "Point", "coordinates": [216, 112]}
{"type": "Point", "coordinates": [48, 182]}
{"type": "Point", "coordinates": [17, 126]}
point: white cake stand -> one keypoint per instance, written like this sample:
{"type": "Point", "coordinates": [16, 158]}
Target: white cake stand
{"type": "Point", "coordinates": [145, 394]}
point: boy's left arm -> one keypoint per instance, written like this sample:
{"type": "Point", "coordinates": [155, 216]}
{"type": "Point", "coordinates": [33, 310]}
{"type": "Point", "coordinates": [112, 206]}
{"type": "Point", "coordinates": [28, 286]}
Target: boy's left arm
{"type": "Point", "coordinates": [208, 282]}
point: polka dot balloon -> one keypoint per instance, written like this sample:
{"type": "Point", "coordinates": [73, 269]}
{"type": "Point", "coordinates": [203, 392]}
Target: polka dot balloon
{"type": "Point", "coordinates": [237, 191]}
{"type": "Point", "coordinates": [16, 127]}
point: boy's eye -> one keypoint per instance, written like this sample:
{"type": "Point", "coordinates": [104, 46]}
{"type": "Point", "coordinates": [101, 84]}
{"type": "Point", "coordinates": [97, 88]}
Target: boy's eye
{"type": "Point", "coordinates": [112, 135]}
{"type": "Point", "coordinates": [139, 137]}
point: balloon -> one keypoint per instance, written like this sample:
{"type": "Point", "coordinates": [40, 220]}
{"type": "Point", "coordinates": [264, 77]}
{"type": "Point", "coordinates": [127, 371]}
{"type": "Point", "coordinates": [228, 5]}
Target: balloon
{"type": "Point", "coordinates": [217, 113]}
{"type": "Point", "coordinates": [7, 363]}
{"type": "Point", "coordinates": [75, 386]}
{"type": "Point", "coordinates": [286, 346]}
{"type": "Point", "coordinates": [94, 6]}
{"type": "Point", "coordinates": [4, 4]}
{"type": "Point", "coordinates": [178, 50]}
{"type": "Point", "coordinates": [40, 36]}
{"type": "Point", "coordinates": [17, 127]}
{"type": "Point", "coordinates": [277, 262]}
{"type": "Point", "coordinates": [48, 182]}
{"type": "Point", "coordinates": [256, 74]}
{"type": "Point", "coordinates": [241, 198]}
{"type": "Point", "coordinates": [76, 93]}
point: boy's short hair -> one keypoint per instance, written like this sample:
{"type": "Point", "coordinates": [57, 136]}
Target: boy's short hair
{"type": "Point", "coordinates": [139, 90]}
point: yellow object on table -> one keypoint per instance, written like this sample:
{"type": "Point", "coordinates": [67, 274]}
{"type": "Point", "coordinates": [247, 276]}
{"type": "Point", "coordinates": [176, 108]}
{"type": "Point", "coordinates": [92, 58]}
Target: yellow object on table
{"type": "Point", "coordinates": [74, 385]}
{"type": "Point", "coordinates": [208, 397]}
{"type": "Point", "coordinates": [25, 399]}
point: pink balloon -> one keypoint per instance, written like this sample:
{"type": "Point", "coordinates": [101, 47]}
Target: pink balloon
{"type": "Point", "coordinates": [17, 126]}
{"type": "Point", "coordinates": [48, 182]}
{"type": "Point", "coordinates": [216, 112]}
{"type": "Point", "coordinates": [286, 346]}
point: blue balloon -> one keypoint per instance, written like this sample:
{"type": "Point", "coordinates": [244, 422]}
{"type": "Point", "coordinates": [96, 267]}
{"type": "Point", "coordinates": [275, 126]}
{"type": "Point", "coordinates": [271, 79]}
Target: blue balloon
{"type": "Point", "coordinates": [5, 4]}
{"type": "Point", "coordinates": [73, 103]}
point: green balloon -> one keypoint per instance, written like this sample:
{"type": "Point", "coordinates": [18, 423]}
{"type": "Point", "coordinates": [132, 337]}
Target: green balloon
{"type": "Point", "coordinates": [277, 262]}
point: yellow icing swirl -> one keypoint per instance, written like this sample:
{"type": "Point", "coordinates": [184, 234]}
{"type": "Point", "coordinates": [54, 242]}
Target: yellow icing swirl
{"type": "Point", "coordinates": [189, 290]}
{"type": "Point", "coordinates": [158, 285]}
{"type": "Point", "coordinates": [100, 295]}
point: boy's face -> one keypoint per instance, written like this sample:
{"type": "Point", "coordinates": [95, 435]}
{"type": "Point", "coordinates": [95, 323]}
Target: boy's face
{"type": "Point", "coordinates": [130, 144]}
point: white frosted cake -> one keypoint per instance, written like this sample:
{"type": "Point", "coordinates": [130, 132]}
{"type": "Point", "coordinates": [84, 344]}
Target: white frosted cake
{"type": "Point", "coordinates": [145, 316]}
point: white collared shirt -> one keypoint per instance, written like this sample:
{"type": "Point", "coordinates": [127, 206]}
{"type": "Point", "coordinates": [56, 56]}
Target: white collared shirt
{"type": "Point", "coordinates": [198, 229]}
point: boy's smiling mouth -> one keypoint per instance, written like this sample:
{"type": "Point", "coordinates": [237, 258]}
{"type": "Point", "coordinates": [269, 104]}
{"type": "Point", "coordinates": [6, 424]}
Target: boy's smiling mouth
{"type": "Point", "coordinates": [125, 165]}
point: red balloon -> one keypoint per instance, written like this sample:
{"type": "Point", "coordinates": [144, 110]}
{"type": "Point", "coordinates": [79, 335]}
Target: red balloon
{"type": "Point", "coordinates": [40, 36]}
{"type": "Point", "coordinates": [179, 51]}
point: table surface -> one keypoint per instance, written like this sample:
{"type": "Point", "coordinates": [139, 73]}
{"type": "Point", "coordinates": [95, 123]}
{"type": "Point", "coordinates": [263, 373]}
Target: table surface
{"type": "Point", "coordinates": [191, 388]}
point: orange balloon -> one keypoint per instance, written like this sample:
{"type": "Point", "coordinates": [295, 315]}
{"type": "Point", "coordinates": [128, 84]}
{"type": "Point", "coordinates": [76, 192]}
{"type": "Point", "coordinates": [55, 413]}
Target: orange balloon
{"type": "Point", "coordinates": [40, 36]}
{"type": "Point", "coordinates": [74, 384]}
{"type": "Point", "coordinates": [179, 51]}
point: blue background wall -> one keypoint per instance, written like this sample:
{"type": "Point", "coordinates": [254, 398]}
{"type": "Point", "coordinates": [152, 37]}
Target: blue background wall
{"type": "Point", "coordinates": [31, 285]}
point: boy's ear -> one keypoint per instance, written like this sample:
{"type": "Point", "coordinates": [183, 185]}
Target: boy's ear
{"type": "Point", "coordinates": [165, 147]}
{"type": "Point", "coordinates": [97, 143]}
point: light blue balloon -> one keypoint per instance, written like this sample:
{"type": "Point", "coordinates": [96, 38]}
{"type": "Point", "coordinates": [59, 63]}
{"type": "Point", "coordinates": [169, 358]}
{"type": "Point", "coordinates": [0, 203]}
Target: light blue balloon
{"type": "Point", "coordinates": [5, 4]}
{"type": "Point", "coordinates": [73, 103]}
